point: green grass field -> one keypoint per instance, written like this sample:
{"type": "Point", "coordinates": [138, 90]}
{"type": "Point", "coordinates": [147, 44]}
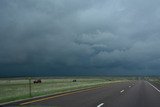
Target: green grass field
{"type": "Point", "coordinates": [15, 89]}
{"type": "Point", "coordinates": [155, 80]}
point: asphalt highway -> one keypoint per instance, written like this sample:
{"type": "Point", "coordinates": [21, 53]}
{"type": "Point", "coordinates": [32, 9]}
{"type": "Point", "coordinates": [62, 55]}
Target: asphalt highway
{"type": "Point", "coordinates": [126, 94]}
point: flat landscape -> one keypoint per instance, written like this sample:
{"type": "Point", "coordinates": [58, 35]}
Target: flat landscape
{"type": "Point", "coordinates": [79, 53]}
{"type": "Point", "coordinates": [103, 92]}
{"type": "Point", "coordinates": [19, 88]}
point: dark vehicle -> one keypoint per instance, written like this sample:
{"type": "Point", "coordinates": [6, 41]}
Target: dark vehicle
{"type": "Point", "coordinates": [37, 81]}
{"type": "Point", "coordinates": [74, 81]}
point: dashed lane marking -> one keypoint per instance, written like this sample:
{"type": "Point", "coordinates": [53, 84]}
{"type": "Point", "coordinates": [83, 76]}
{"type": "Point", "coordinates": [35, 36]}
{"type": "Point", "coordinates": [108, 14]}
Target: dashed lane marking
{"type": "Point", "coordinates": [122, 91]}
{"type": "Point", "coordinates": [100, 105]}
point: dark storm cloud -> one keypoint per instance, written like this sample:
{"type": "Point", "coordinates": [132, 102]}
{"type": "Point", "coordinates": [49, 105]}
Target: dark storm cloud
{"type": "Point", "coordinates": [80, 37]}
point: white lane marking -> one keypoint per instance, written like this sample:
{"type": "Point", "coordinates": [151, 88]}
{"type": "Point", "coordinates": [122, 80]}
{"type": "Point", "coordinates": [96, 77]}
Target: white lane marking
{"type": "Point", "coordinates": [153, 86]}
{"type": "Point", "coordinates": [122, 91]}
{"type": "Point", "coordinates": [100, 105]}
{"type": "Point", "coordinates": [129, 86]}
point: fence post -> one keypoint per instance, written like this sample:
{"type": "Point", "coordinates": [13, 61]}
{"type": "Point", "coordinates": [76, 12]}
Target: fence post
{"type": "Point", "coordinates": [30, 88]}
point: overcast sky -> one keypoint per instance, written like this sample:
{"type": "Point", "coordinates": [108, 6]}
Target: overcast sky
{"type": "Point", "coordinates": [79, 37]}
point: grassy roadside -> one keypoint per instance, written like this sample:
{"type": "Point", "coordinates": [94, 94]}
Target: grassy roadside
{"type": "Point", "coordinates": [153, 79]}
{"type": "Point", "coordinates": [15, 89]}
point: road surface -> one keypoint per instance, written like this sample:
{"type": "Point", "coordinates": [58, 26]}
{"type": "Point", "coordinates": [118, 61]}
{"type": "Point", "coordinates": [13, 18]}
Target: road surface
{"type": "Point", "coordinates": [126, 94]}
